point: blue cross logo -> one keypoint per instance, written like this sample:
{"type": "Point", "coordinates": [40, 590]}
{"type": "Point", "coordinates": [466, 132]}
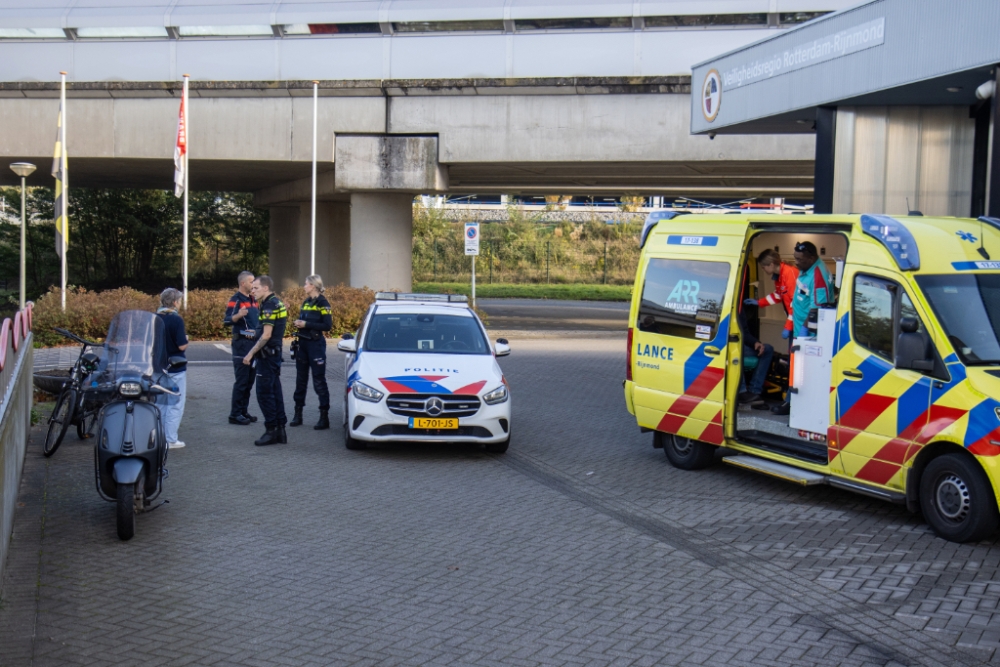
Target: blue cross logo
{"type": "Point", "coordinates": [966, 236]}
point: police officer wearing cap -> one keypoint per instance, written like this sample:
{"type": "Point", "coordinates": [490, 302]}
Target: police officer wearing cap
{"type": "Point", "coordinates": [266, 356]}
{"type": "Point", "coordinates": [314, 320]}
{"type": "Point", "coordinates": [241, 315]}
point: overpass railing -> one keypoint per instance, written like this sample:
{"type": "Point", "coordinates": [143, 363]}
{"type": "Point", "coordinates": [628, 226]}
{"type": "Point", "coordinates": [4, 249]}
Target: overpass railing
{"type": "Point", "coordinates": [16, 397]}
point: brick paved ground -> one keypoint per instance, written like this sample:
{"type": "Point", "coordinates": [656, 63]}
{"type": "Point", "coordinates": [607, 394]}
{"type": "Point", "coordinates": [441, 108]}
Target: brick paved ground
{"type": "Point", "coordinates": [580, 546]}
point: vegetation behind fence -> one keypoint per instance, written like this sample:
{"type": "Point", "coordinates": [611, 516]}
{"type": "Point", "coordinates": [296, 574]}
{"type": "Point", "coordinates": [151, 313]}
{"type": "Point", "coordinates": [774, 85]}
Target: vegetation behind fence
{"type": "Point", "coordinates": [591, 262]}
{"type": "Point", "coordinates": [527, 249]}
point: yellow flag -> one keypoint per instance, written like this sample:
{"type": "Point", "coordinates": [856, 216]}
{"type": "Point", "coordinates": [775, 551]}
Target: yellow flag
{"type": "Point", "coordinates": [59, 167]}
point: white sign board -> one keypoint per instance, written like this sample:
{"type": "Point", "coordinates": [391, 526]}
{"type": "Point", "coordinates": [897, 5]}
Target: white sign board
{"type": "Point", "coordinates": [826, 47]}
{"type": "Point", "coordinates": [472, 238]}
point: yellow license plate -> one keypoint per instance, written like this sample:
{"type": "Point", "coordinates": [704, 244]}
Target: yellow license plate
{"type": "Point", "coordinates": [434, 423]}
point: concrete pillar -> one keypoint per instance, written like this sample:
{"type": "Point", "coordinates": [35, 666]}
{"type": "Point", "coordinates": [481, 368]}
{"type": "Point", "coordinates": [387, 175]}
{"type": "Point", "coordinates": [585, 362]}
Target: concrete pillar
{"type": "Point", "coordinates": [992, 194]}
{"type": "Point", "coordinates": [283, 246]}
{"type": "Point", "coordinates": [823, 169]}
{"type": "Point", "coordinates": [382, 241]}
{"type": "Point", "coordinates": [333, 241]}
{"type": "Point", "coordinates": [291, 243]}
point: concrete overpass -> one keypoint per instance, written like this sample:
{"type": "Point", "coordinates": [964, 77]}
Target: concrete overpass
{"type": "Point", "coordinates": [515, 96]}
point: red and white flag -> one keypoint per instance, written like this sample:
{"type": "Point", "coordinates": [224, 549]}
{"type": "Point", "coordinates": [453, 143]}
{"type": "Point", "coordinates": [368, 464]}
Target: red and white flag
{"type": "Point", "coordinates": [180, 148]}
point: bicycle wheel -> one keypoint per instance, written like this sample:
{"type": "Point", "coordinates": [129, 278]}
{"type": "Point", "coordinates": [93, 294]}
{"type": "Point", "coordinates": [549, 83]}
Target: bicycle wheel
{"type": "Point", "coordinates": [60, 420]}
{"type": "Point", "coordinates": [86, 422]}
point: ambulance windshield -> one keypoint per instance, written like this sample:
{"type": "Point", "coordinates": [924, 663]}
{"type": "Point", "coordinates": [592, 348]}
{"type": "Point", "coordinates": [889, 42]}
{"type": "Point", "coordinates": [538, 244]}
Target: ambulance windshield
{"type": "Point", "coordinates": [968, 307]}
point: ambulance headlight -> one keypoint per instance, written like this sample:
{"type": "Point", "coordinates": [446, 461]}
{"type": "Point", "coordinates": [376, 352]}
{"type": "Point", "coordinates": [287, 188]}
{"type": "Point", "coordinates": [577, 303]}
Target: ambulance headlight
{"type": "Point", "coordinates": [498, 395]}
{"type": "Point", "coordinates": [366, 393]}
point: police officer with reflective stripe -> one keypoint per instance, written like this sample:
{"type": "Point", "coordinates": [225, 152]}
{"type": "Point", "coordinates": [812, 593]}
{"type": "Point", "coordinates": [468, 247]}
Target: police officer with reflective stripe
{"type": "Point", "coordinates": [241, 315]}
{"type": "Point", "coordinates": [314, 320]}
{"type": "Point", "coordinates": [266, 354]}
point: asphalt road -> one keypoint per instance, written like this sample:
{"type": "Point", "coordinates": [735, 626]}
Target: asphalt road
{"type": "Point", "coordinates": [541, 314]}
{"type": "Point", "coordinates": [580, 546]}
{"type": "Point", "coordinates": [505, 315]}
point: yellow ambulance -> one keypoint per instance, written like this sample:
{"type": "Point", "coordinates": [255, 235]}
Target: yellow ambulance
{"type": "Point", "coordinates": [889, 390]}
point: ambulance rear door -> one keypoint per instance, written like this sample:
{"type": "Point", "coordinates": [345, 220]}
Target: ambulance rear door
{"type": "Point", "coordinates": [682, 327]}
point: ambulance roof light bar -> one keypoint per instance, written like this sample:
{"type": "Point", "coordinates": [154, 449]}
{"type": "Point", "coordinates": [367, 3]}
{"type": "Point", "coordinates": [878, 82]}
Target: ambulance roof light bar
{"type": "Point", "coordinates": [896, 238]}
{"type": "Point", "coordinates": [651, 221]}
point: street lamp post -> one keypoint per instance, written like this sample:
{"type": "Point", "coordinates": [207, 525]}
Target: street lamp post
{"type": "Point", "coordinates": [23, 169]}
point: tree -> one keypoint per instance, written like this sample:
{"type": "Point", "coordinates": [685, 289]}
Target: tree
{"type": "Point", "coordinates": [228, 221]}
{"type": "Point", "coordinates": [134, 238]}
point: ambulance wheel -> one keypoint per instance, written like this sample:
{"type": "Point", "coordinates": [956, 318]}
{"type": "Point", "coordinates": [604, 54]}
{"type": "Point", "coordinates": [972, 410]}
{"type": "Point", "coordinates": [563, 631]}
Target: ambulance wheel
{"type": "Point", "coordinates": [688, 454]}
{"type": "Point", "coordinates": [957, 500]}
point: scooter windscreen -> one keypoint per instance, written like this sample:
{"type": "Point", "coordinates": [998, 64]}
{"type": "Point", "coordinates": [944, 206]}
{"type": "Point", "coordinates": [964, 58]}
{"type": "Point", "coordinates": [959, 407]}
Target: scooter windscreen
{"type": "Point", "coordinates": [135, 346]}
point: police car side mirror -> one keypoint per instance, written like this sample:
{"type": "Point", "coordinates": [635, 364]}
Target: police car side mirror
{"type": "Point", "coordinates": [349, 346]}
{"type": "Point", "coordinates": [502, 349]}
{"type": "Point", "coordinates": [347, 336]}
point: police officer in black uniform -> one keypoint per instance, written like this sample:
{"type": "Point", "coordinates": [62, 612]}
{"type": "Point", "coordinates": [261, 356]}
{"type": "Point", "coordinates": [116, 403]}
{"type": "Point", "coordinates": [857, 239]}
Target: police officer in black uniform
{"type": "Point", "coordinates": [314, 321]}
{"type": "Point", "coordinates": [241, 315]}
{"type": "Point", "coordinates": [266, 354]}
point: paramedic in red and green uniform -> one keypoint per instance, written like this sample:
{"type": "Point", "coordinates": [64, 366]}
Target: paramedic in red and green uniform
{"type": "Point", "coordinates": [813, 289]}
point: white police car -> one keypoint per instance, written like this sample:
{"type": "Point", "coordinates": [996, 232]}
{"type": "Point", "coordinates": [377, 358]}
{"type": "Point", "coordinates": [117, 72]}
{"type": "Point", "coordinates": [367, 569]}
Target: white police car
{"type": "Point", "coordinates": [422, 369]}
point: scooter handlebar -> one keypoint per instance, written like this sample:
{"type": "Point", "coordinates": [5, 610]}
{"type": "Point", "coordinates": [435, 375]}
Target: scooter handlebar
{"type": "Point", "coordinates": [73, 336]}
{"type": "Point", "coordinates": [164, 390]}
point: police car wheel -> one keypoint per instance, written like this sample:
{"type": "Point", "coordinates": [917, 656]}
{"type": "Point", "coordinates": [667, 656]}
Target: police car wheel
{"type": "Point", "coordinates": [957, 500]}
{"type": "Point", "coordinates": [498, 447]}
{"type": "Point", "coordinates": [350, 442]}
{"type": "Point", "coordinates": [687, 454]}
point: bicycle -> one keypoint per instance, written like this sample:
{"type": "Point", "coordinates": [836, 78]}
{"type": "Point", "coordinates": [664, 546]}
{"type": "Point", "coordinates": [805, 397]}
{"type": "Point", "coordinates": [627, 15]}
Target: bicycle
{"type": "Point", "coordinates": [73, 406]}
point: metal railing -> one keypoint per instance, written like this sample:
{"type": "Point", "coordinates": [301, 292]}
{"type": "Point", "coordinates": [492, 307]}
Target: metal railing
{"type": "Point", "coordinates": [16, 398]}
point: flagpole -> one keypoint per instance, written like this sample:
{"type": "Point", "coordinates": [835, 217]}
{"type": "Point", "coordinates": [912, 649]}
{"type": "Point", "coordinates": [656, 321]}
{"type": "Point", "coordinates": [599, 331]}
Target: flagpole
{"type": "Point", "coordinates": [312, 254]}
{"type": "Point", "coordinates": [65, 185]}
{"type": "Point", "coordinates": [187, 182]}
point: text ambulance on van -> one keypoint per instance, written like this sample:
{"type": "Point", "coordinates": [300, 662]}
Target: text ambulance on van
{"type": "Point", "coordinates": [891, 385]}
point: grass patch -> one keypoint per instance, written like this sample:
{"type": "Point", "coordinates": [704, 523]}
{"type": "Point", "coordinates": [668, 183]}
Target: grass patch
{"type": "Point", "coordinates": [532, 291]}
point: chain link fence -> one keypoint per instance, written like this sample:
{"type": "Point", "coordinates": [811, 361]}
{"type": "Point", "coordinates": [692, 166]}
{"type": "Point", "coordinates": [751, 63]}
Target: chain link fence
{"type": "Point", "coordinates": [610, 262]}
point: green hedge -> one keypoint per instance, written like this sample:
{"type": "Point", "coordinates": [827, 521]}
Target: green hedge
{"type": "Point", "coordinates": [88, 314]}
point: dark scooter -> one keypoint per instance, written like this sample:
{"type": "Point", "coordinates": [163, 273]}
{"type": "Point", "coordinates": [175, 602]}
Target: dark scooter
{"type": "Point", "coordinates": [131, 447]}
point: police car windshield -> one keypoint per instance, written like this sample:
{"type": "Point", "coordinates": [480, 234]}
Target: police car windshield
{"type": "Point", "coordinates": [425, 333]}
{"type": "Point", "coordinates": [968, 307]}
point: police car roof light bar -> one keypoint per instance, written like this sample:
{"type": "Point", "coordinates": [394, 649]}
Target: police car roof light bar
{"type": "Point", "coordinates": [651, 221]}
{"type": "Point", "coordinates": [407, 296]}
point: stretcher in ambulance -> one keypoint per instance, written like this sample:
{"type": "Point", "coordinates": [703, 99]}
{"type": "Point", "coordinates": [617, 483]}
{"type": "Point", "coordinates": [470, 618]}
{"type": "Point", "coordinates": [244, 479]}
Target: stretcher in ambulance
{"type": "Point", "coordinates": [888, 391]}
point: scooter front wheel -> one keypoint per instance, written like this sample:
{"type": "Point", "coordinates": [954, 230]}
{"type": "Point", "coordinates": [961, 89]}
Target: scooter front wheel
{"type": "Point", "coordinates": [126, 510]}
{"type": "Point", "coordinates": [62, 417]}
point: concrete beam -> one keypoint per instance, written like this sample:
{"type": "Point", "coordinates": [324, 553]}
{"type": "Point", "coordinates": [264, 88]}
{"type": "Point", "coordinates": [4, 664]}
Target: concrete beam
{"type": "Point", "coordinates": [579, 128]}
{"type": "Point", "coordinates": [296, 191]}
{"type": "Point", "coordinates": [275, 130]}
{"type": "Point", "coordinates": [379, 163]}
{"type": "Point", "coordinates": [556, 85]}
